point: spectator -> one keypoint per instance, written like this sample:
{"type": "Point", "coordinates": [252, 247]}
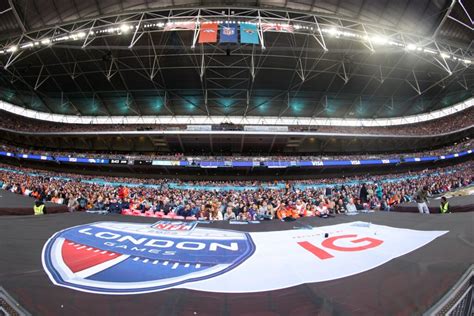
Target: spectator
{"type": "Point", "coordinates": [115, 207]}
{"type": "Point", "coordinates": [229, 214]}
{"type": "Point", "coordinates": [351, 208]}
{"type": "Point", "coordinates": [421, 200]}
{"type": "Point", "coordinates": [264, 211]}
{"type": "Point", "coordinates": [72, 205]}
{"type": "Point", "coordinates": [363, 193]}
{"type": "Point", "coordinates": [444, 205]}
{"type": "Point", "coordinates": [39, 208]}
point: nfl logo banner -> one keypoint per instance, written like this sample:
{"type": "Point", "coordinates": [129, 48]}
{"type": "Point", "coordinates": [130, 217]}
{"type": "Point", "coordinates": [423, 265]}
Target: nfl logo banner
{"type": "Point", "coordinates": [248, 33]}
{"type": "Point", "coordinates": [208, 33]}
{"type": "Point", "coordinates": [228, 33]}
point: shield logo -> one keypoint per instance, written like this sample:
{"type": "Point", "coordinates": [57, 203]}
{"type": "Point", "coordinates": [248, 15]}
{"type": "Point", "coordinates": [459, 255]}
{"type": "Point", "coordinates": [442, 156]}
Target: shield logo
{"type": "Point", "coordinates": [229, 31]}
{"type": "Point", "coordinates": [128, 258]}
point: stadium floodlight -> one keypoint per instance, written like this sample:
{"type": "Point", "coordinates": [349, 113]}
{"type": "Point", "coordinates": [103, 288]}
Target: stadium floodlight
{"type": "Point", "coordinates": [81, 35]}
{"type": "Point", "coordinates": [46, 41]}
{"type": "Point", "coordinates": [467, 61]}
{"type": "Point", "coordinates": [444, 55]}
{"type": "Point", "coordinates": [62, 38]}
{"type": "Point", "coordinates": [12, 49]}
{"type": "Point", "coordinates": [333, 31]}
{"type": "Point", "coordinates": [380, 40]}
{"type": "Point", "coordinates": [26, 45]}
{"type": "Point", "coordinates": [411, 47]}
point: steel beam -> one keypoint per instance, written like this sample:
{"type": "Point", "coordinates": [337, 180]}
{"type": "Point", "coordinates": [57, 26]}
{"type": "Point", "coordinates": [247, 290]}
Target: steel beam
{"type": "Point", "coordinates": [17, 16]}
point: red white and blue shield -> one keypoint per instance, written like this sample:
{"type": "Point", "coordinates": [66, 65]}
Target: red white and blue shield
{"type": "Point", "coordinates": [228, 31]}
{"type": "Point", "coordinates": [128, 258]}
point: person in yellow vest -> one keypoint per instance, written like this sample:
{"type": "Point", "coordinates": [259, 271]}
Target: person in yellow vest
{"type": "Point", "coordinates": [39, 208]}
{"type": "Point", "coordinates": [444, 205]}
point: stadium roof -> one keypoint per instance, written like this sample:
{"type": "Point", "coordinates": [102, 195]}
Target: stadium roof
{"type": "Point", "coordinates": [353, 59]}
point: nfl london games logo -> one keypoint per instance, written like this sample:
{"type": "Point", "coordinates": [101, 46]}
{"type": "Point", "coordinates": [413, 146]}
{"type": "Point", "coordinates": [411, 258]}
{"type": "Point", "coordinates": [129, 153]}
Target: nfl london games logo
{"type": "Point", "coordinates": [128, 258]}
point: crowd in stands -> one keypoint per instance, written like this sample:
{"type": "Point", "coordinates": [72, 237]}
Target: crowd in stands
{"type": "Point", "coordinates": [454, 148]}
{"type": "Point", "coordinates": [21, 123]}
{"type": "Point", "coordinates": [457, 121]}
{"type": "Point", "coordinates": [344, 195]}
{"type": "Point", "coordinates": [454, 122]}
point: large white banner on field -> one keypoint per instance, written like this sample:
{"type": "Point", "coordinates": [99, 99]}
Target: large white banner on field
{"type": "Point", "coordinates": [127, 258]}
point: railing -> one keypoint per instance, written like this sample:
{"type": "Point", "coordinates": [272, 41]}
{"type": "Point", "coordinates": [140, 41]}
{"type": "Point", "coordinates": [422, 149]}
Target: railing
{"type": "Point", "coordinates": [209, 164]}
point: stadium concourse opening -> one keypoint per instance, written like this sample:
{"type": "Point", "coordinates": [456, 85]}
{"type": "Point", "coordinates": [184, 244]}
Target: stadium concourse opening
{"type": "Point", "coordinates": [256, 158]}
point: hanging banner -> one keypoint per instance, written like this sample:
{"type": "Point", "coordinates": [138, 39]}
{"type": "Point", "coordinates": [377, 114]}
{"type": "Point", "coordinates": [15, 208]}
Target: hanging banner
{"type": "Point", "coordinates": [272, 27]}
{"type": "Point", "coordinates": [228, 33]}
{"type": "Point", "coordinates": [130, 258]}
{"type": "Point", "coordinates": [208, 33]}
{"type": "Point", "coordinates": [178, 26]}
{"type": "Point", "coordinates": [248, 33]}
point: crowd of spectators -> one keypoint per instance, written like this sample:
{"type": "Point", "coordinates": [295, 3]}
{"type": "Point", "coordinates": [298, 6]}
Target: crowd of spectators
{"type": "Point", "coordinates": [454, 122]}
{"type": "Point", "coordinates": [457, 121]}
{"type": "Point", "coordinates": [366, 193]}
{"type": "Point", "coordinates": [454, 148]}
{"type": "Point", "coordinates": [21, 123]}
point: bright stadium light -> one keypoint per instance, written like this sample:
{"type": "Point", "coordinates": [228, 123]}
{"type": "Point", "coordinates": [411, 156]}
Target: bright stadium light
{"type": "Point", "coordinates": [124, 28]}
{"type": "Point", "coordinates": [26, 45]}
{"type": "Point", "coordinates": [411, 47]}
{"type": "Point", "coordinates": [430, 51]}
{"type": "Point", "coordinates": [62, 38]}
{"type": "Point", "coordinates": [380, 40]}
{"type": "Point", "coordinates": [333, 31]}
{"type": "Point", "coordinates": [12, 49]}
{"type": "Point", "coordinates": [444, 55]}
{"type": "Point", "coordinates": [46, 41]}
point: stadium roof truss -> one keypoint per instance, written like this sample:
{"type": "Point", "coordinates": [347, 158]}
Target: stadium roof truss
{"type": "Point", "coordinates": [149, 63]}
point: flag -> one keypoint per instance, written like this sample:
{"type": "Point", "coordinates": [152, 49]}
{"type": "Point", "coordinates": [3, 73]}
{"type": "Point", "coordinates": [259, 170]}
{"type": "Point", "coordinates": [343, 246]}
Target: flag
{"type": "Point", "coordinates": [277, 27]}
{"type": "Point", "coordinates": [208, 33]}
{"type": "Point", "coordinates": [228, 33]}
{"type": "Point", "coordinates": [248, 33]}
{"type": "Point", "coordinates": [175, 26]}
